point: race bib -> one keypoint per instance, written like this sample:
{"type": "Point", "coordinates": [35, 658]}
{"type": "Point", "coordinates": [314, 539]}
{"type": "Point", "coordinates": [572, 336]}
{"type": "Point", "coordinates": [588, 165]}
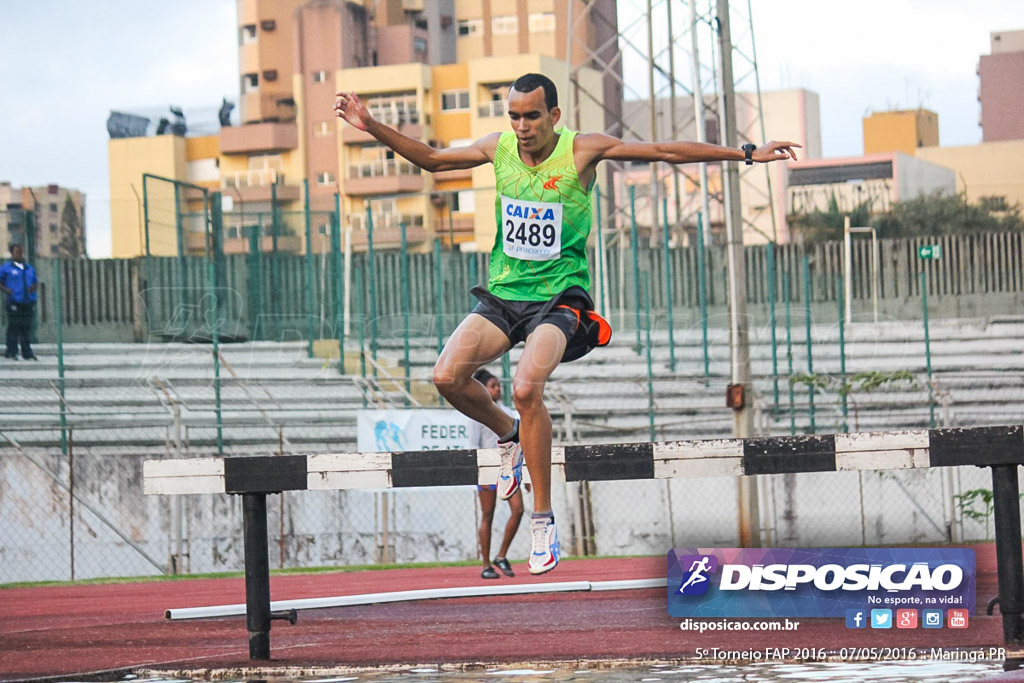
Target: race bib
{"type": "Point", "coordinates": [531, 231]}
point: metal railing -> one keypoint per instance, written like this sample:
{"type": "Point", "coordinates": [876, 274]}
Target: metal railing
{"type": "Point", "coordinates": [262, 177]}
{"type": "Point", "coordinates": [379, 169]}
{"type": "Point", "coordinates": [394, 113]}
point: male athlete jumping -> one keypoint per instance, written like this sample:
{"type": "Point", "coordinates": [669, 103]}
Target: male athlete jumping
{"type": "Point", "coordinates": [539, 277]}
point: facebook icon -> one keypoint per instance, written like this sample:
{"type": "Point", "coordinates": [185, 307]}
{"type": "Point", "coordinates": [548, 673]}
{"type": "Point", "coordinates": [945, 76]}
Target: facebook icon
{"type": "Point", "coordinates": [856, 618]}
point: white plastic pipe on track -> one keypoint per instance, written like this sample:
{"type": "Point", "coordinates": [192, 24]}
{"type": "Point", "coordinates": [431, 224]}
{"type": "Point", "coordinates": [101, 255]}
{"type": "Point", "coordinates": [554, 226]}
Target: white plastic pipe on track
{"type": "Point", "coordinates": [422, 594]}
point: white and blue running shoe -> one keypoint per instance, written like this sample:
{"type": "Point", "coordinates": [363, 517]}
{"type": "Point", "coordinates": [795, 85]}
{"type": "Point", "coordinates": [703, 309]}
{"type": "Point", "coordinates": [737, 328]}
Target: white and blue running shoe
{"type": "Point", "coordinates": [510, 476]}
{"type": "Point", "coordinates": [546, 551]}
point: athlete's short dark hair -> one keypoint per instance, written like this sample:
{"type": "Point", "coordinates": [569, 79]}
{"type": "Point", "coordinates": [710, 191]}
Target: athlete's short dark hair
{"type": "Point", "coordinates": [483, 375]}
{"type": "Point", "coordinates": [530, 82]}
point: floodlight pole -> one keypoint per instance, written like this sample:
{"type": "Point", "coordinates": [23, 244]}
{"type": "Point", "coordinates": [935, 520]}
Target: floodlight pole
{"type": "Point", "coordinates": [740, 376]}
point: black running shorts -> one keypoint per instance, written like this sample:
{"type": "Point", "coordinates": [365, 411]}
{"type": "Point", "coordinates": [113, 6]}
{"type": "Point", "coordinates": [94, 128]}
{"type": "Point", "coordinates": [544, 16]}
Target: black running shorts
{"type": "Point", "coordinates": [518, 319]}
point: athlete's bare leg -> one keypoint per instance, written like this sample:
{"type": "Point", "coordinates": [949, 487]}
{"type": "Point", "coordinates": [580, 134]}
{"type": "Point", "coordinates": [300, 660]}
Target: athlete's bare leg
{"type": "Point", "coordinates": [474, 343]}
{"type": "Point", "coordinates": [543, 353]}
{"type": "Point", "coordinates": [488, 496]}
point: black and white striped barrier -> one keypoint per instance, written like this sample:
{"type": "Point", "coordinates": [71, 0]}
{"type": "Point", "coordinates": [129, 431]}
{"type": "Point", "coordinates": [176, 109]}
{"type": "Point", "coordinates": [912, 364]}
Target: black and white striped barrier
{"type": "Point", "coordinates": [1001, 448]}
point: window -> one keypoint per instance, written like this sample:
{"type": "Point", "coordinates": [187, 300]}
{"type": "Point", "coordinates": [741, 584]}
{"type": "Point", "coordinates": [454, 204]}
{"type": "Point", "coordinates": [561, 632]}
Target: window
{"type": "Point", "coordinates": [320, 76]}
{"type": "Point", "coordinates": [505, 24]}
{"type": "Point", "coordinates": [250, 83]}
{"type": "Point", "coordinates": [322, 229]}
{"type": "Point", "coordinates": [542, 22]}
{"type": "Point", "coordinates": [321, 129]}
{"type": "Point", "coordinates": [54, 249]}
{"type": "Point", "coordinates": [325, 178]}
{"type": "Point", "coordinates": [233, 232]}
{"type": "Point", "coordinates": [419, 45]}
{"type": "Point", "coordinates": [465, 201]}
{"type": "Point", "coordinates": [469, 27]}
{"type": "Point", "coordinates": [53, 228]}
{"type": "Point", "coordinates": [421, 24]}
{"type": "Point", "coordinates": [455, 100]}
{"type": "Point", "coordinates": [53, 208]}
{"type": "Point", "coordinates": [247, 34]}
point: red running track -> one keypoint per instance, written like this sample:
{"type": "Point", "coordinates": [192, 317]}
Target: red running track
{"type": "Point", "coordinates": [65, 630]}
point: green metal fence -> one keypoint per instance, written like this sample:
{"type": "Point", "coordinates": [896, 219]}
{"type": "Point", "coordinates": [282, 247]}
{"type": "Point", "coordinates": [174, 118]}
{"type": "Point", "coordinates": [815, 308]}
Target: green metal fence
{"type": "Point", "coordinates": [261, 273]}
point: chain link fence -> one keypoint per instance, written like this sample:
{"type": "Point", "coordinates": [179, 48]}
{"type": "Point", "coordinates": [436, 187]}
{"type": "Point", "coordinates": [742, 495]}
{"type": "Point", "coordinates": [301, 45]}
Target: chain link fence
{"type": "Point", "coordinates": [72, 506]}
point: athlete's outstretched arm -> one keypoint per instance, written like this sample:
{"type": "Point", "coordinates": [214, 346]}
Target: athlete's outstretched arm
{"type": "Point", "coordinates": [349, 107]}
{"type": "Point", "coordinates": [598, 146]}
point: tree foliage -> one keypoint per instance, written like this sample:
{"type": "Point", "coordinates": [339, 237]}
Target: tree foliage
{"type": "Point", "coordinates": [71, 242]}
{"type": "Point", "coordinates": [827, 225]}
{"type": "Point", "coordinates": [936, 214]}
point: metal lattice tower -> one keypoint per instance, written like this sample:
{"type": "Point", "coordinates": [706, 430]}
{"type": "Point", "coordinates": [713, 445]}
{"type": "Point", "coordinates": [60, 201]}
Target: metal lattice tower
{"type": "Point", "coordinates": [659, 54]}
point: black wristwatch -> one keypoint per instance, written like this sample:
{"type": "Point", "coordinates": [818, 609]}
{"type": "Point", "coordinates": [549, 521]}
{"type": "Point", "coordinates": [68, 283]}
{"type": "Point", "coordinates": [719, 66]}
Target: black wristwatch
{"type": "Point", "coordinates": [748, 150]}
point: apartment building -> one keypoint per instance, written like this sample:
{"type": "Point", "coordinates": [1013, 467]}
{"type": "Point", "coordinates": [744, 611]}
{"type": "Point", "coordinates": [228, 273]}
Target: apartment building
{"type": "Point", "coordinates": [443, 106]}
{"type": "Point", "coordinates": [59, 220]}
{"type": "Point", "coordinates": [437, 69]}
{"type": "Point", "coordinates": [999, 90]}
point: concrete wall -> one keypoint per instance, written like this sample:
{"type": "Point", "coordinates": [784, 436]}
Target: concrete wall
{"type": "Point", "coordinates": [919, 178]}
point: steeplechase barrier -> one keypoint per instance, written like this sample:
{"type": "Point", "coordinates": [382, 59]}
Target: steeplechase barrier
{"type": "Point", "coordinates": [1000, 448]}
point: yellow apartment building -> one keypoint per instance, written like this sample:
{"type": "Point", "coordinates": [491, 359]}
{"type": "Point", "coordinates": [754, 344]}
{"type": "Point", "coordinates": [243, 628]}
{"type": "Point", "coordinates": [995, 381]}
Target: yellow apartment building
{"type": "Point", "coordinates": [442, 106]}
{"type": "Point", "coordinates": [437, 70]}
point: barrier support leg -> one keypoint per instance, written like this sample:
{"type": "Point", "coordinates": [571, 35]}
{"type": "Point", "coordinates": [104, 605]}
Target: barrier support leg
{"type": "Point", "coordinates": [1009, 562]}
{"type": "Point", "coordinates": [257, 574]}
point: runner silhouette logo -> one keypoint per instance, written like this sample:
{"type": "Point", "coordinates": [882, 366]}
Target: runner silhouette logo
{"type": "Point", "coordinates": [696, 580]}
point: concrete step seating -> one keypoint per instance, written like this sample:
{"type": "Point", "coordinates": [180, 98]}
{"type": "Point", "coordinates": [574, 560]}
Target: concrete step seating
{"type": "Point", "coordinates": [269, 388]}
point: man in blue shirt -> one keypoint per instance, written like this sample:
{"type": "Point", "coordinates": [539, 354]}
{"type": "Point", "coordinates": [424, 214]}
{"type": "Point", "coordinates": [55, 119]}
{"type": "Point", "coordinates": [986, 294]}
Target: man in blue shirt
{"type": "Point", "coordinates": [18, 282]}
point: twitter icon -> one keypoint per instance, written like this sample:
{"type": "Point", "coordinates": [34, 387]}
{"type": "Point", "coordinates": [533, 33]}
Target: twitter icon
{"type": "Point", "coordinates": [881, 618]}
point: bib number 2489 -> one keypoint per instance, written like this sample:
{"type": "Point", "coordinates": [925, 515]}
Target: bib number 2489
{"type": "Point", "coordinates": [531, 231]}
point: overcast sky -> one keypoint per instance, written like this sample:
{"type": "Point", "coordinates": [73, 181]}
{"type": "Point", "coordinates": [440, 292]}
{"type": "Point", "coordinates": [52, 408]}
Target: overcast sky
{"type": "Point", "coordinates": [67, 63]}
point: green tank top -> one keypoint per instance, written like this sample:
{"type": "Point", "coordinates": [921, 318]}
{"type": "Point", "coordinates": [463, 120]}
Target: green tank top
{"type": "Point", "coordinates": [543, 218]}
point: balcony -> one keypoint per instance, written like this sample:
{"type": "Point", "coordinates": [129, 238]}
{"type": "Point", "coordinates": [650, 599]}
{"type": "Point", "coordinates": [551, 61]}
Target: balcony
{"type": "Point", "coordinates": [354, 136]}
{"type": "Point", "coordinates": [456, 228]}
{"type": "Point", "coordinates": [255, 186]}
{"type": "Point", "coordinates": [397, 114]}
{"type": "Point", "coordinates": [492, 109]}
{"type": "Point", "coordinates": [386, 221]}
{"type": "Point", "coordinates": [383, 177]}
{"type": "Point", "coordinates": [258, 106]}
{"type": "Point", "coordinates": [259, 137]}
